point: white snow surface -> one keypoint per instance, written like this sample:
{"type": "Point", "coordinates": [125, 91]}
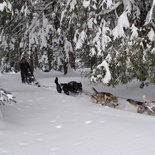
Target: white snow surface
{"type": "Point", "coordinates": [44, 122]}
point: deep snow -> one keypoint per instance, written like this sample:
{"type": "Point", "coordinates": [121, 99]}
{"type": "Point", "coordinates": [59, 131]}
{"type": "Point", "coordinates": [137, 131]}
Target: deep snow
{"type": "Point", "coordinates": [44, 122]}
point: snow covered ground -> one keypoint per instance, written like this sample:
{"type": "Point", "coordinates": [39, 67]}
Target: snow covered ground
{"type": "Point", "coordinates": [44, 122]}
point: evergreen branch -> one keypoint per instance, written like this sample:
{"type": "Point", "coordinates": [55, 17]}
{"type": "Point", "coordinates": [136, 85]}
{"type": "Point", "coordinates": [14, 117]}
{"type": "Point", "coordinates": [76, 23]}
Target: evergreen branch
{"type": "Point", "coordinates": [33, 24]}
{"type": "Point", "coordinates": [104, 12]}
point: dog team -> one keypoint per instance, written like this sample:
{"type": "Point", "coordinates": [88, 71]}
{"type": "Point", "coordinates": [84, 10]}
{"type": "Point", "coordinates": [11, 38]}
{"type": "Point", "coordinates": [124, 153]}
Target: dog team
{"type": "Point", "coordinates": [105, 98]}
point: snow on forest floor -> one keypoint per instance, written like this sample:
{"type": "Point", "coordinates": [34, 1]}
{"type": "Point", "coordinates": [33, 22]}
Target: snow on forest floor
{"type": "Point", "coordinates": [44, 122]}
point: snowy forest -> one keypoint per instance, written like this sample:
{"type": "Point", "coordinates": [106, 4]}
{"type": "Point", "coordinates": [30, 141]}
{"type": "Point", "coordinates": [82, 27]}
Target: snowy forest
{"type": "Point", "coordinates": [114, 36]}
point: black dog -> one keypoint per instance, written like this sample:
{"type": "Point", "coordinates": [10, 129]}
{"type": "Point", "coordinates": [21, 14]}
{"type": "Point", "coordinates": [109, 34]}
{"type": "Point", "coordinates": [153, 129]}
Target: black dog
{"type": "Point", "coordinates": [67, 88]}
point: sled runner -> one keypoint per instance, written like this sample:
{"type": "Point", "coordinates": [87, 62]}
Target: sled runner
{"type": "Point", "coordinates": [29, 78]}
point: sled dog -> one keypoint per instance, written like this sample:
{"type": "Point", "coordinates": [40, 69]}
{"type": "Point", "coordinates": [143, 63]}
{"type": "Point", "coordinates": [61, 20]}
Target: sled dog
{"type": "Point", "coordinates": [104, 98]}
{"type": "Point", "coordinates": [147, 100]}
{"type": "Point", "coordinates": [67, 88]}
{"type": "Point", "coordinates": [135, 103]}
{"type": "Point", "coordinates": [143, 106]}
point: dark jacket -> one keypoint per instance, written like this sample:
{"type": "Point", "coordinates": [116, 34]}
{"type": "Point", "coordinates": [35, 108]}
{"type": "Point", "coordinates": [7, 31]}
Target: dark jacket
{"type": "Point", "coordinates": [25, 67]}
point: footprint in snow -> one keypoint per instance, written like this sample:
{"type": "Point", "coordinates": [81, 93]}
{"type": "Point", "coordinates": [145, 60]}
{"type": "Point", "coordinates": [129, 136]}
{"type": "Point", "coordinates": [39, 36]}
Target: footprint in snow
{"type": "Point", "coordinates": [3, 151]}
{"type": "Point", "coordinates": [77, 144]}
{"type": "Point", "coordinates": [39, 139]}
{"type": "Point", "coordinates": [23, 144]}
{"type": "Point", "coordinates": [20, 109]}
{"type": "Point", "coordinates": [53, 121]}
{"type": "Point", "coordinates": [27, 106]}
{"type": "Point", "coordinates": [36, 134]}
{"type": "Point", "coordinates": [53, 151]}
{"type": "Point", "coordinates": [102, 121]}
{"type": "Point", "coordinates": [30, 101]}
{"type": "Point", "coordinates": [58, 126]}
{"type": "Point", "coordinates": [40, 98]}
{"type": "Point", "coordinates": [88, 122]}
{"type": "Point", "coordinates": [32, 134]}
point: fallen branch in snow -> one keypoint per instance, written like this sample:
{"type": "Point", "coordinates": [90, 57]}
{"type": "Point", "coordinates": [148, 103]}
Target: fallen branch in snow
{"type": "Point", "coordinates": [6, 97]}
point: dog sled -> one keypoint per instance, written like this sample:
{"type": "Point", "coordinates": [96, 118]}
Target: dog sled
{"type": "Point", "coordinates": [30, 79]}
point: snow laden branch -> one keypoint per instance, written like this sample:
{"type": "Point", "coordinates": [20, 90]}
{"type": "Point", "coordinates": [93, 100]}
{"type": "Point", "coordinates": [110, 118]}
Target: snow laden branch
{"type": "Point", "coordinates": [33, 24]}
{"type": "Point", "coordinates": [103, 75]}
{"type": "Point", "coordinates": [82, 37]}
{"type": "Point", "coordinates": [112, 8]}
{"type": "Point", "coordinates": [5, 5]}
{"type": "Point", "coordinates": [150, 14]}
{"type": "Point", "coordinates": [6, 97]}
{"type": "Point", "coordinates": [123, 22]}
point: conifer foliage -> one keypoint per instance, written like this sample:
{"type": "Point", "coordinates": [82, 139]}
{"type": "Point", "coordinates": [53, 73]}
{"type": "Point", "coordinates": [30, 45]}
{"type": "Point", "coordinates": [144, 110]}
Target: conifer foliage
{"type": "Point", "coordinates": [113, 38]}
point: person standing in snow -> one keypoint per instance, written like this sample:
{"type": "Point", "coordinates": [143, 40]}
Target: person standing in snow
{"type": "Point", "coordinates": [25, 69]}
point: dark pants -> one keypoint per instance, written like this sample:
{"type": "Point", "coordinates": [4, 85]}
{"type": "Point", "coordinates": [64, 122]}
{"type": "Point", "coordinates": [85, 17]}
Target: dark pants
{"type": "Point", "coordinates": [23, 77]}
